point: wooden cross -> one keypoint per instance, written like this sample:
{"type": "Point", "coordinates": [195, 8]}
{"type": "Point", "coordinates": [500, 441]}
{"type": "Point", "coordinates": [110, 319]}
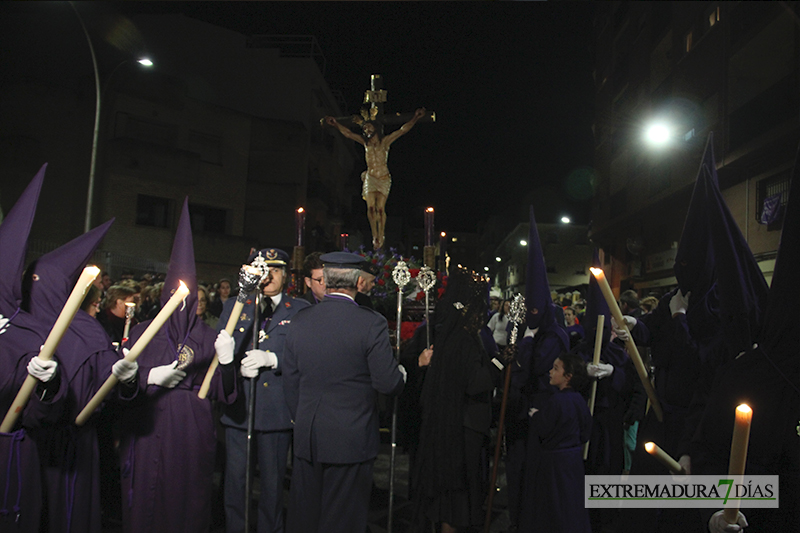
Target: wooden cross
{"type": "Point", "coordinates": [376, 97]}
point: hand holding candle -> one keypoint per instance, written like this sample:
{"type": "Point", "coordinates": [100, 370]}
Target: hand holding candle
{"type": "Point", "coordinates": [664, 458]}
{"type": "Point", "coordinates": [155, 325]}
{"type": "Point", "coordinates": [738, 459]}
{"type": "Point", "coordinates": [630, 346]}
{"type": "Point", "coordinates": [63, 321]}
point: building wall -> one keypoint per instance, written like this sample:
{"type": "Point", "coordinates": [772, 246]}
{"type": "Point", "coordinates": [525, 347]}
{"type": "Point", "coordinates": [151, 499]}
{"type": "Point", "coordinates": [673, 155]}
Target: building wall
{"type": "Point", "coordinates": [731, 68]}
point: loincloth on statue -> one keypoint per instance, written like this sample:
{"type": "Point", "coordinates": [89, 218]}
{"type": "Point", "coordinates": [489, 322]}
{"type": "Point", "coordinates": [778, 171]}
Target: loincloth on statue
{"type": "Point", "coordinates": [371, 183]}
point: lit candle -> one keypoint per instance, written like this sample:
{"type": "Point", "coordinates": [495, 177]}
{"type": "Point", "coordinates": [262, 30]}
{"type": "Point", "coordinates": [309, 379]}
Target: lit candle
{"type": "Point", "coordinates": [429, 226]}
{"type": "Point", "coordinates": [630, 346]}
{"type": "Point", "coordinates": [663, 457]}
{"type": "Point", "coordinates": [63, 321]}
{"type": "Point", "coordinates": [598, 346]}
{"type": "Point", "coordinates": [300, 222]}
{"type": "Point", "coordinates": [738, 460]}
{"type": "Point", "coordinates": [155, 325]}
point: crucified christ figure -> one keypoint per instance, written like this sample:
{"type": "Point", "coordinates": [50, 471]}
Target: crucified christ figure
{"type": "Point", "coordinates": [376, 179]}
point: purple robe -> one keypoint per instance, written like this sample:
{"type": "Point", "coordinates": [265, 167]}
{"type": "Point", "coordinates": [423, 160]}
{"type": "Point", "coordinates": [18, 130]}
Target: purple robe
{"type": "Point", "coordinates": [70, 455]}
{"type": "Point", "coordinates": [20, 472]}
{"type": "Point", "coordinates": [554, 489]}
{"type": "Point", "coordinates": [168, 439]}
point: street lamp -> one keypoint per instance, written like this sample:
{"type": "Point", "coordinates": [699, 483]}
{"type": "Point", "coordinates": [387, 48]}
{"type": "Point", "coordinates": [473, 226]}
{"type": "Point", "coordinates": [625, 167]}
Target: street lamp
{"type": "Point", "coordinates": [523, 242]}
{"type": "Point", "coordinates": [565, 220]}
{"type": "Point", "coordinates": [87, 223]}
{"type": "Point", "coordinates": [658, 134]}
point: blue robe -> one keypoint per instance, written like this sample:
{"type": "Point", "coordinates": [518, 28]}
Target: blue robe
{"type": "Point", "coordinates": [555, 476]}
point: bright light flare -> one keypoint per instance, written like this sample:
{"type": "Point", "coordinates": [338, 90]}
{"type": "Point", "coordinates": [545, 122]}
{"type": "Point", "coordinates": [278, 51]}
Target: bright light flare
{"type": "Point", "coordinates": [658, 134]}
{"type": "Point", "coordinates": [565, 220]}
{"type": "Point", "coordinates": [145, 62]}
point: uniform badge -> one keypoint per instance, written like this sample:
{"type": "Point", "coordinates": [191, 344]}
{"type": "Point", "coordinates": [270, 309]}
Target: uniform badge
{"type": "Point", "coordinates": [185, 357]}
{"type": "Point", "coordinates": [243, 317]}
{"type": "Point", "coordinates": [272, 254]}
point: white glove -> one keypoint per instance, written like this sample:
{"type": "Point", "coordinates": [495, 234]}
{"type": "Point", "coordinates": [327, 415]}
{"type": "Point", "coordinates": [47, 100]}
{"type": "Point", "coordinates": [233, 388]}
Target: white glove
{"type": "Point", "coordinates": [599, 371]}
{"type": "Point", "coordinates": [679, 303]}
{"type": "Point", "coordinates": [619, 331]}
{"type": "Point", "coordinates": [167, 376]}
{"type": "Point", "coordinates": [125, 370]}
{"type": "Point", "coordinates": [257, 359]}
{"type": "Point", "coordinates": [686, 462]}
{"type": "Point", "coordinates": [718, 524]}
{"type": "Point", "coordinates": [402, 370]}
{"type": "Point", "coordinates": [41, 369]}
{"type": "Point", "coordinates": [224, 346]}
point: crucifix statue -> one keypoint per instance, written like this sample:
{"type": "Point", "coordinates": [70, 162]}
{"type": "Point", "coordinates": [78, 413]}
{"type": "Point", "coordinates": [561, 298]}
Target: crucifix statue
{"type": "Point", "coordinates": [376, 180]}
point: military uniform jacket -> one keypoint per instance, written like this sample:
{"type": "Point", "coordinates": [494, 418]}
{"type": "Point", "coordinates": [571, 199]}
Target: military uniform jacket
{"type": "Point", "coordinates": [338, 358]}
{"type": "Point", "coordinates": [271, 412]}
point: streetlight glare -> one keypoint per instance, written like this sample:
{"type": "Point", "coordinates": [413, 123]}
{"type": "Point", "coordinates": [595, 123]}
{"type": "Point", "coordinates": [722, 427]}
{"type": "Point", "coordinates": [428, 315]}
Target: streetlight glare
{"type": "Point", "coordinates": [565, 220]}
{"type": "Point", "coordinates": [497, 259]}
{"type": "Point", "coordinates": [145, 62]}
{"type": "Point", "coordinates": [523, 242]}
{"type": "Point", "coordinates": [657, 134]}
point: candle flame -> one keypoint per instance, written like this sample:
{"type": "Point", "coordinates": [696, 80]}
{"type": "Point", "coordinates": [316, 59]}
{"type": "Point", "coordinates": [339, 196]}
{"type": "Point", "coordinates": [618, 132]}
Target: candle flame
{"type": "Point", "coordinates": [300, 210]}
{"type": "Point", "coordinates": [429, 210]}
{"type": "Point", "coordinates": [744, 409]}
{"type": "Point", "coordinates": [130, 304]}
{"type": "Point", "coordinates": [443, 234]}
{"type": "Point", "coordinates": [597, 272]}
{"type": "Point", "coordinates": [650, 447]}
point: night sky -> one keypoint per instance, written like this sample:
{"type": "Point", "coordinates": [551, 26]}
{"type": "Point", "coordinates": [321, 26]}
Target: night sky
{"type": "Point", "coordinates": [510, 82]}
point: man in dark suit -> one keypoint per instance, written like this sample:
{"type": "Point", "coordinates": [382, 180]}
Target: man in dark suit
{"type": "Point", "coordinates": [273, 423]}
{"type": "Point", "coordinates": [313, 278]}
{"type": "Point", "coordinates": [337, 359]}
{"type": "Point", "coordinates": [366, 280]}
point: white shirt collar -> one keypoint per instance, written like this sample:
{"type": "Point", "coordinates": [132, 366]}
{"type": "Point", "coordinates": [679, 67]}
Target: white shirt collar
{"type": "Point", "coordinates": [342, 294]}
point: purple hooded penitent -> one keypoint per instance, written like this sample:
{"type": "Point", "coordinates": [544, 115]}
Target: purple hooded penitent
{"type": "Point", "coordinates": [766, 378]}
{"type": "Point", "coordinates": [85, 356]}
{"type": "Point", "coordinates": [694, 261]}
{"type": "Point", "coordinates": [20, 338]}
{"type": "Point", "coordinates": [168, 441]}
{"type": "Point", "coordinates": [741, 286]}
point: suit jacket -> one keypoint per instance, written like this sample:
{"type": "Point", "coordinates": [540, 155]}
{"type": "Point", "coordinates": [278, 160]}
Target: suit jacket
{"type": "Point", "coordinates": [271, 412]}
{"type": "Point", "coordinates": [337, 359]}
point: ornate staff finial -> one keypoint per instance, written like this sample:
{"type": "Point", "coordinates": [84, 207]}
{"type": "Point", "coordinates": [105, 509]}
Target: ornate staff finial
{"type": "Point", "coordinates": [426, 279]}
{"type": "Point", "coordinates": [401, 274]}
{"type": "Point", "coordinates": [516, 313]}
{"type": "Point", "coordinates": [249, 278]}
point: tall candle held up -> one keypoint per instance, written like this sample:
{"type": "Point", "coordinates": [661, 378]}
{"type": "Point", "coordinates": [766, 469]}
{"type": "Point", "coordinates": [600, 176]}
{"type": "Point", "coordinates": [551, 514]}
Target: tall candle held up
{"type": "Point", "coordinates": [738, 459]}
{"type": "Point", "coordinates": [630, 346]}
{"type": "Point", "coordinates": [63, 321]}
{"type": "Point", "coordinates": [300, 223]}
{"type": "Point", "coordinates": [598, 346]}
{"type": "Point", "coordinates": [664, 458]}
{"type": "Point", "coordinates": [429, 226]}
{"type": "Point", "coordinates": [155, 325]}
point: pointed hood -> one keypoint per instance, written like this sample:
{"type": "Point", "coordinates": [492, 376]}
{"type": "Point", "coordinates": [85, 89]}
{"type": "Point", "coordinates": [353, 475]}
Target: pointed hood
{"type": "Point", "coordinates": [181, 268]}
{"type": "Point", "coordinates": [54, 274]}
{"type": "Point", "coordinates": [14, 232]}
{"type": "Point", "coordinates": [537, 287]}
{"type": "Point", "coordinates": [741, 287]}
{"type": "Point", "coordinates": [694, 262]}
{"type": "Point", "coordinates": [595, 306]}
{"type": "Point", "coordinates": [780, 327]}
